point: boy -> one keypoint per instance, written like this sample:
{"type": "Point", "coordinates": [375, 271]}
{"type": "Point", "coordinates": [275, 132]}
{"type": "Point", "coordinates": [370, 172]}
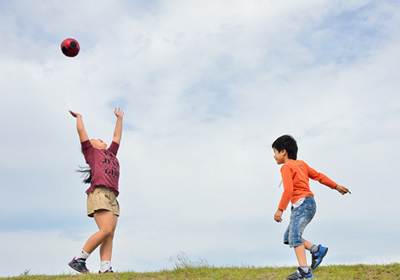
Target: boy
{"type": "Point", "coordinates": [295, 174]}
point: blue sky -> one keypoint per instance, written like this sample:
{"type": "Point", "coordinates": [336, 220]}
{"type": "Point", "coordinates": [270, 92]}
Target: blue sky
{"type": "Point", "coordinates": [206, 87]}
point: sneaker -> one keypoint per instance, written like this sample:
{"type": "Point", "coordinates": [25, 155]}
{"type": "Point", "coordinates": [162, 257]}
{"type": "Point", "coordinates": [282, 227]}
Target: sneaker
{"type": "Point", "coordinates": [317, 257]}
{"type": "Point", "coordinates": [107, 271]}
{"type": "Point", "coordinates": [300, 274]}
{"type": "Point", "coordinates": [79, 265]}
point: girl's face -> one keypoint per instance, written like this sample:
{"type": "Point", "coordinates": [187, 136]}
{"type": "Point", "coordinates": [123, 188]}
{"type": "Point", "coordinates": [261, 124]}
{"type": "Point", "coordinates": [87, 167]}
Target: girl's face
{"type": "Point", "coordinates": [98, 144]}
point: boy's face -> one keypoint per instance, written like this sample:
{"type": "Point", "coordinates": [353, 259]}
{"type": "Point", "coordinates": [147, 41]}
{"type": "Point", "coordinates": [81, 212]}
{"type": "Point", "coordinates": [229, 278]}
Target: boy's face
{"type": "Point", "coordinates": [280, 157]}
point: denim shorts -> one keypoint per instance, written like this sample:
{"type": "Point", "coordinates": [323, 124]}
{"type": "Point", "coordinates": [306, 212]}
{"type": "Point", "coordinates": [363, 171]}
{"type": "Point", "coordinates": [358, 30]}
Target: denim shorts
{"type": "Point", "coordinates": [299, 219]}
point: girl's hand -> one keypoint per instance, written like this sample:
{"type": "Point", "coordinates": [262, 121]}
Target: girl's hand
{"type": "Point", "coordinates": [80, 127]}
{"type": "Point", "coordinates": [118, 113]}
{"type": "Point", "coordinates": [342, 190]}
{"type": "Point", "coordinates": [278, 215]}
{"type": "Point", "coordinates": [75, 115]}
{"type": "Point", "coordinates": [118, 126]}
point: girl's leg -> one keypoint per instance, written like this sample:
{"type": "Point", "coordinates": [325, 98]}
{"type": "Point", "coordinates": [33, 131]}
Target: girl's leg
{"type": "Point", "coordinates": [105, 222]}
{"type": "Point", "coordinates": [107, 244]}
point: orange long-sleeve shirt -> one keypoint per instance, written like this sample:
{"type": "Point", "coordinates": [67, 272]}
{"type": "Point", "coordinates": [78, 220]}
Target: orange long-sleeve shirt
{"type": "Point", "coordinates": [295, 175]}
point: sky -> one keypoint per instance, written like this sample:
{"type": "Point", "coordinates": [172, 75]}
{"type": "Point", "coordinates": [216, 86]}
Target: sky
{"type": "Point", "coordinates": [206, 87]}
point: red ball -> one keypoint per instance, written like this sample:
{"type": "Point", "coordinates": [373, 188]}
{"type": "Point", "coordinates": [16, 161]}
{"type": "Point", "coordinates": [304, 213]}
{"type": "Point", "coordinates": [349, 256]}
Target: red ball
{"type": "Point", "coordinates": [70, 47]}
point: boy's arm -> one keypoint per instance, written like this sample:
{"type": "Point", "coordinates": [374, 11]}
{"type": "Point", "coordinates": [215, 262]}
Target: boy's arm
{"type": "Point", "coordinates": [323, 179]}
{"type": "Point", "coordinates": [287, 186]}
{"type": "Point", "coordinates": [278, 215]}
{"type": "Point", "coordinates": [287, 193]}
{"type": "Point", "coordinates": [80, 127]}
{"type": "Point", "coordinates": [342, 190]}
{"type": "Point", "coordinates": [118, 126]}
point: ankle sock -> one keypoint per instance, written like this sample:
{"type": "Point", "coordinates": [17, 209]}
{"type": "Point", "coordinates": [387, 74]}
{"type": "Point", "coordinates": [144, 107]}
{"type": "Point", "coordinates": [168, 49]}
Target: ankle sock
{"type": "Point", "coordinates": [314, 248]}
{"type": "Point", "coordinates": [105, 265]}
{"type": "Point", "coordinates": [304, 268]}
{"type": "Point", "coordinates": [83, 255]}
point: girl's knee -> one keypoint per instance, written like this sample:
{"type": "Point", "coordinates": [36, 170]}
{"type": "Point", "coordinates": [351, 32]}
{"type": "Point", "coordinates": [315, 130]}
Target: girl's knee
{"type": "Point", "coordinates": [107, 232]}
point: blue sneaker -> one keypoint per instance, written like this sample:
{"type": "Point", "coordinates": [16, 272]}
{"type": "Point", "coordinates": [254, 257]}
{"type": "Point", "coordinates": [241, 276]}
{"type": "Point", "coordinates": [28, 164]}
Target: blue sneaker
{"type": "Point", "coordinates": [317, 257]}
{"type": "Point", "coordinates": [300, 274]}
{"type": "Point", "coordinates": [79, 265]}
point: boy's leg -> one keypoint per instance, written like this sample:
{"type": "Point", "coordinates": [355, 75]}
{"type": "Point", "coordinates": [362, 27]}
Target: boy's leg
{"type": "Point", "coordinates": [301, 255]}
{"type": "Point", "coordinates": [299, 219]}
{"type": "Point", "coordinates": [307, 244]}
{"type": "Point", "coordinates": [310, 246]}
{"type": "Point", "coordinates": [317, 255]}
{"type": "Point", "coordinates": [303, 271]}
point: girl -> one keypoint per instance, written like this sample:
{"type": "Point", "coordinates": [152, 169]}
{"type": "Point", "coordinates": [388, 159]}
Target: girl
{"type": "Point", "coordinates": [102, 204]}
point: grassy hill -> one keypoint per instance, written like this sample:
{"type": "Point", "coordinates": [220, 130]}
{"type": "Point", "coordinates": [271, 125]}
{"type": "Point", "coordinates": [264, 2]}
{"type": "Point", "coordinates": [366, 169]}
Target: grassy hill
{"type": "Point", "coordinates": [336, 272]}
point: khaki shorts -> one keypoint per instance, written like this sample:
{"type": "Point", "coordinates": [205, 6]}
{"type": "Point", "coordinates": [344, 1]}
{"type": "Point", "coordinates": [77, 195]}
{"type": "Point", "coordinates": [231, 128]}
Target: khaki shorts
{"type": "Point", "coordinates": [102, 198]}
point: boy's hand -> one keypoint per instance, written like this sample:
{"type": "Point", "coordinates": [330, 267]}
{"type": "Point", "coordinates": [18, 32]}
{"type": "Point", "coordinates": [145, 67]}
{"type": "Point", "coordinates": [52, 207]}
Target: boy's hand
{"type": "Point", "coordinates": [118, 112]}
{"type": "Point", "coordinates": [278, 215]}
{"type": "Point", "coordinates": [75, 115]}
{"type": "Point", "coordinates": [342, 190]}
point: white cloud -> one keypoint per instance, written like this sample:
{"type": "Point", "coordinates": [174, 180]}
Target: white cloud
{"type": "Point", "coordinates": [207, 87]}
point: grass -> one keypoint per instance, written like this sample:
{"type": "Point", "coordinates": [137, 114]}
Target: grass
{"type": "Point", "coordinates": [189, 271]}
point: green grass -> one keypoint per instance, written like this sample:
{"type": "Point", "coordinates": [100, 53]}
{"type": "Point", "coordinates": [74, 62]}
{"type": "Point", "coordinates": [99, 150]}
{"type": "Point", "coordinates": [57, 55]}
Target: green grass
{"type": "Point", "coordinates": [206, 272]}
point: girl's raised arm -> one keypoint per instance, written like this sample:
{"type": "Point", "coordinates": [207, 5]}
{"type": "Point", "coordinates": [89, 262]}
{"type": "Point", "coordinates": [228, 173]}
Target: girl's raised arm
{"type": "Point", "coordinates": [118, 126]}
{"type": "Point", "coordinates": [80, 127]}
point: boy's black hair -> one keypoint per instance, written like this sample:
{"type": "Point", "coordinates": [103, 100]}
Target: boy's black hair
{"type": "Point", "coordinates": [286, 142]}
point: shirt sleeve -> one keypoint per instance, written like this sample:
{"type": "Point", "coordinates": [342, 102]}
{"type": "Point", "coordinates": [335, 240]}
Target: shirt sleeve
{"type": "Point", "coordinates": [113, 148]}
{"type": "Point", "coordinates": [87, 150]}
{"type": "Point", "coordinates": [288, 187]}
{"type": "Point", "coordinates": [323, 179]}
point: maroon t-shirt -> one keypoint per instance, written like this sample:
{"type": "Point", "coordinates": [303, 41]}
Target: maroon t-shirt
{"type": "Point", "coordinates": [104, 165]}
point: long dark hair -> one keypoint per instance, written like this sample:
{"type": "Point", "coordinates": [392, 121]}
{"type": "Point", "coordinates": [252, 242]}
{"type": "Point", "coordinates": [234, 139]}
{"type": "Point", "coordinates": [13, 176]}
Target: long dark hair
{"type": "Point", "coordinates": [86, 174]}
